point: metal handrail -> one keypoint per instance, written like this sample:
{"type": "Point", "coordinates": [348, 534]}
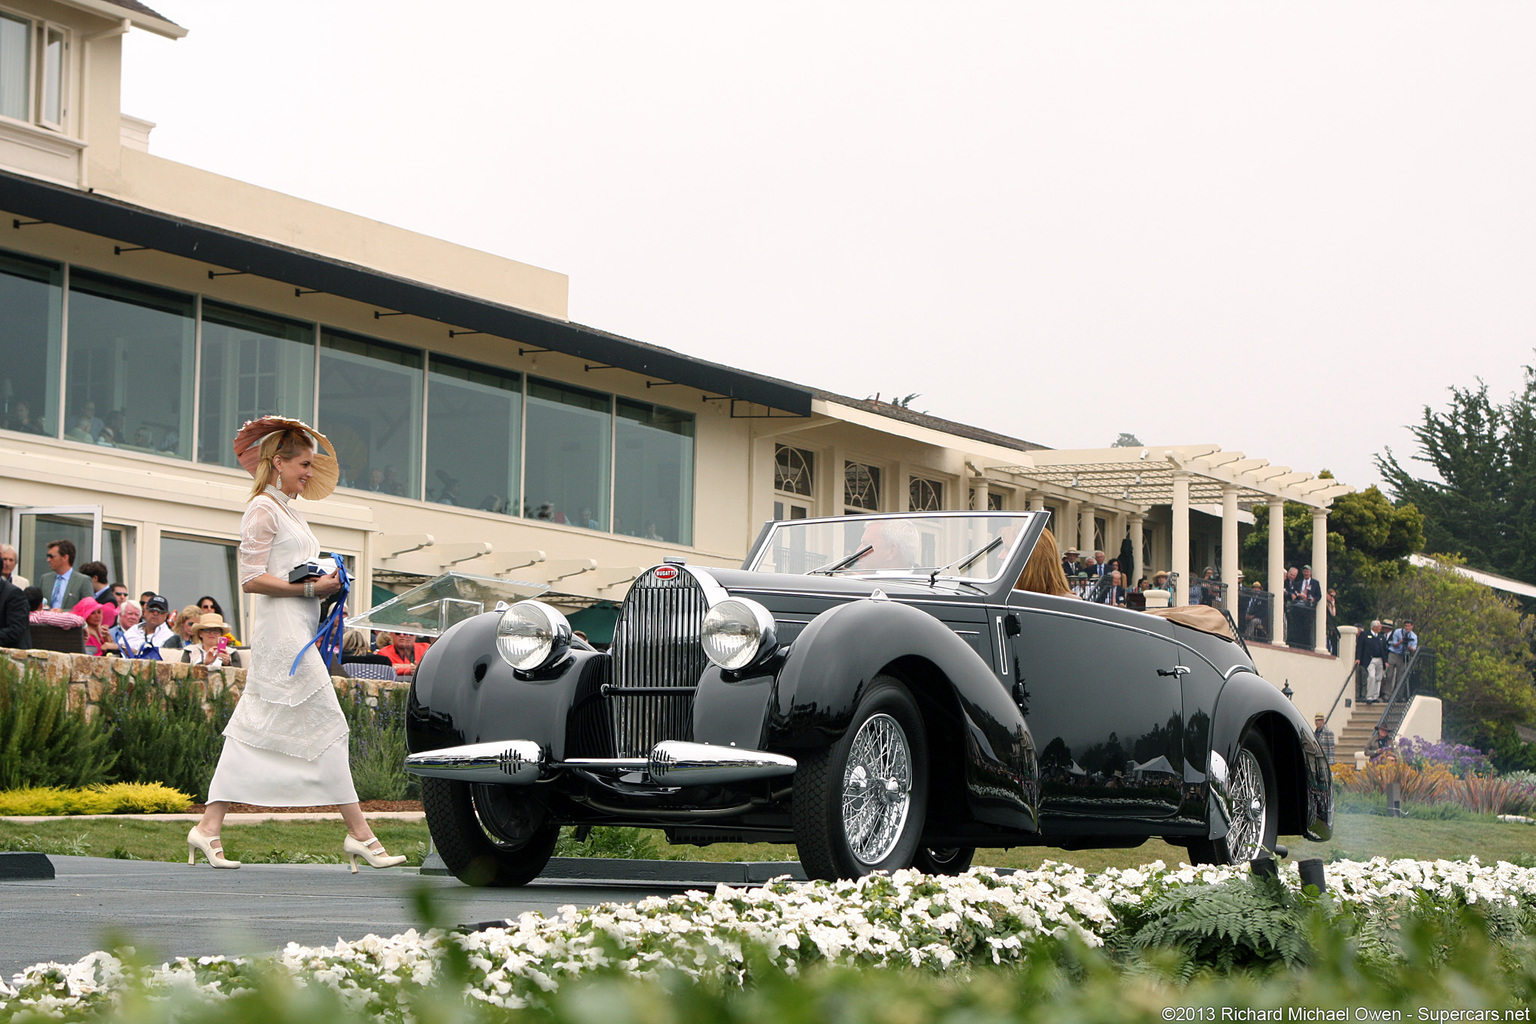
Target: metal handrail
{"type": "Point", "coordinates": [1397, 690]}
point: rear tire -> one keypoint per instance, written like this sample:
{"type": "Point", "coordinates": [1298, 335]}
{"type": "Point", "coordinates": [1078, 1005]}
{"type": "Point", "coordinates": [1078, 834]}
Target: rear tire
{"type": "Point", "coordinates": [950, 860]}
{"type": "Point", "coordinates": [488, 835]}
{"type": "Point", "coordinates": [1255, 811]}
{"type": "Point", "coordinates": [858, 805]}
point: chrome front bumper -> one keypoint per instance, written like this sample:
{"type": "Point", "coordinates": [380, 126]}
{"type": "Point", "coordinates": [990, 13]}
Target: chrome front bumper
{"type": "Point", "coordinates": [671, 763]}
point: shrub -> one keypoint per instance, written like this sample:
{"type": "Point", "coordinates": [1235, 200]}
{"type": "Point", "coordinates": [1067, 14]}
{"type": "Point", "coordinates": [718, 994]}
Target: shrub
{"type": "Point", "coordinates": [173, 738]}
{"type": "Point", "coordinates": [112, 798]}
{"type": "Point", "coordinates": [377, 745]}
{"type": "Point", "coordinates": [1461, 761]}
{"type": "Point", "coordinates": [1492, 796]}
{"type": "Point", "coordinates": [1427, 785]}
{"type": "Point", "coordinates": [43, 742]}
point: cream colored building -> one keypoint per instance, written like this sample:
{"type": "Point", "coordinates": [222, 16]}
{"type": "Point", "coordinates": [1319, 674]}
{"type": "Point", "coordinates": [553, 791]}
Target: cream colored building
{"type": "Point", "coordinates": [148, 308]}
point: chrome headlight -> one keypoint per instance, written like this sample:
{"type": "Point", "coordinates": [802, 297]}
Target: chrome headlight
{"type": "Point", "coordinates": [531, 634]}
{"type": "Point", "coordinates": [737, 632]}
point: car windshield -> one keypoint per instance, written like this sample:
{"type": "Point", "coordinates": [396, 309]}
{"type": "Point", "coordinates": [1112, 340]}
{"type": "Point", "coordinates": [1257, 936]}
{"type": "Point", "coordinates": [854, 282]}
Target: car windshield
{"type": "Point", "coordinates": [956, 545]}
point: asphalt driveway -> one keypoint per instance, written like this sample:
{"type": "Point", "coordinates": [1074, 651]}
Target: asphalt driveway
{"type": "Point", "coordinates": [169, 910]}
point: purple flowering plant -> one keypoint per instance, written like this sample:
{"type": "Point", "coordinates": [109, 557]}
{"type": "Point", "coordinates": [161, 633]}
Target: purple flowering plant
{"type": "Point", "coordinates": [1460, 760]}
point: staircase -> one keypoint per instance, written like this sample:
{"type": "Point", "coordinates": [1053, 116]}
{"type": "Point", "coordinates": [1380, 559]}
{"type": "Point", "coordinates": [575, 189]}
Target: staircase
{"type": "Point", "coordinates": [1360, 725]}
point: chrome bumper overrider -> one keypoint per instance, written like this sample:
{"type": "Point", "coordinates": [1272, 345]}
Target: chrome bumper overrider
{"type": "Point", "coordinates": [671, 763]}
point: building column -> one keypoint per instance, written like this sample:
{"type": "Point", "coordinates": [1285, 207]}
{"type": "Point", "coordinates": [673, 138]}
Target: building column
{"type": "Point", "coordinates": [1180, 552]}
{"type": "Point", "coordinates": [1229, 559]}
{"type": "Point", "coordinates": [1085, 517]}
{"type": "Point", "coordinates": [1320, 573]}
{"type": "Point", "coordinates": [1034, 501]}
{"type": "Point", "coordinates": [1117, 528]}
{"type": "Point", "coordinates": [1066, 530]}
{"type": "Point", "coordinates": [978, 495]}
{"type": "Point", "coordinates": [1277, 569]}
{"type": "Point", "coordinates": [1138, 557]}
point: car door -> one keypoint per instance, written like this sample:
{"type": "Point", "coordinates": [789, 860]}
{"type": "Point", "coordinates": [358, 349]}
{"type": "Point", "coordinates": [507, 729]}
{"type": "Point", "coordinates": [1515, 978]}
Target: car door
{"type": "Point", "coordinates": [1101, 693]}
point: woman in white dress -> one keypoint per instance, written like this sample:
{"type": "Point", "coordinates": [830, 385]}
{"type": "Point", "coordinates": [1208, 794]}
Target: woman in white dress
{"type": "Point", "coordinates": [286, 743]}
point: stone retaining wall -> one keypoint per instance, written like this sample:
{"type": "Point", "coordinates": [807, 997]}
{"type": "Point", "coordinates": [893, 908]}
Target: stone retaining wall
{"type": "Point", "coordinates": [89, 678]}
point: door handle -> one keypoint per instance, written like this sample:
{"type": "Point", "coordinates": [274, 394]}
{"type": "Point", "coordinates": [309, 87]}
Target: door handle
{"type": "Point", "coordinates": [1177, 670]}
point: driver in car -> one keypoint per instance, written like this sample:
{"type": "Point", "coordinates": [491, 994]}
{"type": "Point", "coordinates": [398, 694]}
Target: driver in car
{"type": "Point", "coordinates": [892, 544]}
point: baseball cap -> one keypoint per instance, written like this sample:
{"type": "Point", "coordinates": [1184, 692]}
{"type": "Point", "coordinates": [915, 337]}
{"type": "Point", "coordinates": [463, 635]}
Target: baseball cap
{"type": "Point", "coordinates": [157, 604]}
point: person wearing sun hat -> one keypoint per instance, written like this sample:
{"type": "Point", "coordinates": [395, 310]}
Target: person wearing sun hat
{"type": "Point", "coordinates": [211, 649]}
{"type": "Point", "coordinates": [286, 743]}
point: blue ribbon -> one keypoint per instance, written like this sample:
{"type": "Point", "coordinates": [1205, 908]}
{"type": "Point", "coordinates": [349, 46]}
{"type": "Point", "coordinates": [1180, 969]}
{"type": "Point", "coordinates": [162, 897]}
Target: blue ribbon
{"type": "Point", "coordinates": [328, 639]}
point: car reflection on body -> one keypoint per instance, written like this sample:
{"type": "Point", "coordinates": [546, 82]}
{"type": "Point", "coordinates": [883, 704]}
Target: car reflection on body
{"type": "Point", "coordinates": [870, 688]}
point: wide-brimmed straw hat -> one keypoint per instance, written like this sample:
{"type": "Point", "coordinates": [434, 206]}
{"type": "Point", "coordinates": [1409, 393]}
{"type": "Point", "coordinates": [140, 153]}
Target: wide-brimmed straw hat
{"type": "Point", "coordinates": [326, 470]}
{"type": "Point", "coordinates": [210, 620]}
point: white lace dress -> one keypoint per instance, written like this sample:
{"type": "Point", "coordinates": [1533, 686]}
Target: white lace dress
{"type": "Point", "coordinates": [286, 743]}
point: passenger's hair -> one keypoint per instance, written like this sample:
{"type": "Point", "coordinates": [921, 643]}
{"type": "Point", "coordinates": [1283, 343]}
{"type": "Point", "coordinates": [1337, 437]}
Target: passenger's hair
{"type": "Point", "coordinates": [354, 642]}
{"type": "Point", "coordinates": [66, 548]}
{"type": "Point", "coordinates": [1042, 573]}
{"type": "Point", "coordinates": [287, 443]}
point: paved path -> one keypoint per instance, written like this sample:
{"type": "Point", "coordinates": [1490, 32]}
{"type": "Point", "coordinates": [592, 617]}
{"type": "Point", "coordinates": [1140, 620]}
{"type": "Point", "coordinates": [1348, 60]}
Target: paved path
{"type": "Point", "coordinates": [175, 910]}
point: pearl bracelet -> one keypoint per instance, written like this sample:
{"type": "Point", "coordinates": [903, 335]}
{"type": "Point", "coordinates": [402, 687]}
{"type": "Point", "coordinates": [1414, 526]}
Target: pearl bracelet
{"type": "Point", "coordinates": [309, 588]}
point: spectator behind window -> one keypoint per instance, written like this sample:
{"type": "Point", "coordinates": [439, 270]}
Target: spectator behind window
{"type": "Point", "coordinates": [186, 628]}
{"type": "Point", "coordinates": [206, 604]}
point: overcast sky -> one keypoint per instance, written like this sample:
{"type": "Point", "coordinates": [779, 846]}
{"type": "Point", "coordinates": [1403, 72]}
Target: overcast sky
{"type": "Point", "coordinates": [1283, 228]}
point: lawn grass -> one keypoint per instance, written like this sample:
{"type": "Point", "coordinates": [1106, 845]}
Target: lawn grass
{"type": "Point", "coordinates": [1357, 837]}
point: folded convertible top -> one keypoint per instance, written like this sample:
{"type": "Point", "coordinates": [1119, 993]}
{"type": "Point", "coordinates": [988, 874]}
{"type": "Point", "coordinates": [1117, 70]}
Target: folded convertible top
{"type": "Point", "coordinates": [1198, 616]}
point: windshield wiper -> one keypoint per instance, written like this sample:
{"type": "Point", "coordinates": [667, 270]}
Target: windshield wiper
{"type": "Point", "coordinates": [842, 563]}
{"type": "Point", "coordinates": [964, 562]}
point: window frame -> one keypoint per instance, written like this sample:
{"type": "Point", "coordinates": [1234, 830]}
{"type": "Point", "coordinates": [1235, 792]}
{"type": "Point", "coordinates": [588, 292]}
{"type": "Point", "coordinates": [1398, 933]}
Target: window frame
{"type": "Point", "coordinates": [41, 32]}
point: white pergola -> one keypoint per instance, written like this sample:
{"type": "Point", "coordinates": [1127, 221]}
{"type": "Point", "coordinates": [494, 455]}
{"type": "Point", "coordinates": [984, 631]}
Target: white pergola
{"type": "Point", "coordinates": [1182, 476]}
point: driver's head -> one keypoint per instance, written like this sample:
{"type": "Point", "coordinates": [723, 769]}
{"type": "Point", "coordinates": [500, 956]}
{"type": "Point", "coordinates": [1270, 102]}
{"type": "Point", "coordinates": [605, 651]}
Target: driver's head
{"type": "Point", "coordinates": [893, 544]}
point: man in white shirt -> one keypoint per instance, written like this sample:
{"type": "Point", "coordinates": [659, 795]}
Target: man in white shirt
{"type": "Point", "coordinates": [8, 567]}
{"type": "Point", "coordinates": [150, 634]}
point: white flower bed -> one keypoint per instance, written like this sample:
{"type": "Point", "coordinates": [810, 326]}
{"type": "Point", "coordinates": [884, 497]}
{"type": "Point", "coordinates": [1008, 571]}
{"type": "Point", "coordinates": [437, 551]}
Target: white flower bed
{"type": "Point", "coordinates": [901, 920]}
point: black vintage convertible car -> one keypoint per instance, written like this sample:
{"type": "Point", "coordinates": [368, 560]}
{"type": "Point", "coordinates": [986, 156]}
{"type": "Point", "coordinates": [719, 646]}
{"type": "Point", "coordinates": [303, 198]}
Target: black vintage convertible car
{"type": "Point", "coordinates": [872, 689]}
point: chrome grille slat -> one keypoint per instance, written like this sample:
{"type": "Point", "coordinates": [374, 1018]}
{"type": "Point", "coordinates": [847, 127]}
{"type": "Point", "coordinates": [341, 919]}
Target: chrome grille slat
{"type": "Point", "coordinates": [656, 643]}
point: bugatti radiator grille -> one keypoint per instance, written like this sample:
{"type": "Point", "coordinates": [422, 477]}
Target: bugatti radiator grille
{"type": "Point", "coordinates": [656, 645]}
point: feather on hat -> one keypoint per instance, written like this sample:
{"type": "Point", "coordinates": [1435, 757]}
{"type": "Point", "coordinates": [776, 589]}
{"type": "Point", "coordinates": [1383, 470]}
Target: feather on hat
{"type": "Point", "coordinates": [326, 470]}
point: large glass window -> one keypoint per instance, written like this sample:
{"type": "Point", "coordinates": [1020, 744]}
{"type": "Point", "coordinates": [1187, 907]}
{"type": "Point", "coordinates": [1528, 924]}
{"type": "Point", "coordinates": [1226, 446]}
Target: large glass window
{"type": "Point", "coordinates": [31, 307]}
{"type": "Point", "coordinates": [254, 365]}
{"type": "Point", "coordinates": [190, 568]}
{"type": "Point", "coordinates": [129, 379]}
{"type": "Point", "coordinates": [653, 472]}
{"type": "Point", "coordinates": [474, 430]}
{"type": "Point", "coordinates": [370, 408]}
{"type": "Point", "coordinates": [569, 438]}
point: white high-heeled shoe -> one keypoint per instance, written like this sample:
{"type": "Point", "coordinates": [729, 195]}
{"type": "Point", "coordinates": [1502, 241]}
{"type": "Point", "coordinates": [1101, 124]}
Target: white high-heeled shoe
{"type": "Point", "coordinates": [215, 854]}
{"type": "Point", "coordinates": [375, 858]}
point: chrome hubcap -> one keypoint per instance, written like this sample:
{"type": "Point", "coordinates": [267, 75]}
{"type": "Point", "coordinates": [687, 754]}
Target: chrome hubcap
{"type": "Point", "coordinates": [877, 789]}
{"type": "Point", "coordinates": [1251, 802]}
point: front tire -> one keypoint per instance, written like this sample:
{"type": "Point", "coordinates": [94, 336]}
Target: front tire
{"type": "Point", "coordinates": [488, 835]}
{"type": "Point", "coordinates": [858, 805]}
{"type": "Point", "coordinates": [1255, 812]}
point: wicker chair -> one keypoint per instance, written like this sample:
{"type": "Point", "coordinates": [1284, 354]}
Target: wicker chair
{"type": "Point", "coordinates": [57, 638]}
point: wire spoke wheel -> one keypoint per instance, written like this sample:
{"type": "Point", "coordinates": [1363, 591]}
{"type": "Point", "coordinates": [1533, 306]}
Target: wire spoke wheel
{"type": "Point", "coordinates": [877, 788]}
{"type": "Point", "coordinates": [1250, 808]}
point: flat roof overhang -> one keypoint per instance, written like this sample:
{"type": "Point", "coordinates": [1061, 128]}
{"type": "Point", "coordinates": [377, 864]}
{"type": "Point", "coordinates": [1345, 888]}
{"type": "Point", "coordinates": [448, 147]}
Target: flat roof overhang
{"type": "Point", "coordinates": [135, 225]}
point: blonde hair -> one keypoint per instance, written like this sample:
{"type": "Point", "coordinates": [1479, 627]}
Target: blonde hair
{"type": "Point", "coordinates": [354, 642]}
{"type": "Point", "coordinates": [1043, 573]}
{"type": "Point", "coordinates": [286, 443]}
{"type": "Point", "coordinates": [191, 613]}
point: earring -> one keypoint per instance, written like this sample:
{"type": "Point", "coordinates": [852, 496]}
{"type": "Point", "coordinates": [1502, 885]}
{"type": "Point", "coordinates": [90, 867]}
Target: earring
{"type": "Point", "coordinates": [277, 471]}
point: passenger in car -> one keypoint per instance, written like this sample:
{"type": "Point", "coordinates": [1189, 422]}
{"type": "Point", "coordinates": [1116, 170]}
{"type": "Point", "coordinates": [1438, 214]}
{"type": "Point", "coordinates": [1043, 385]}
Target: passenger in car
{"type": "Point", "coordinates": [892, 544]}
{"type": "Point", "coordinates": [1043, 573]}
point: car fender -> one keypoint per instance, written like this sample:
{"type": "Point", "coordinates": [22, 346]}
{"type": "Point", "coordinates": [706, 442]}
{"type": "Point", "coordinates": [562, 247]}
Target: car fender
{"type": "Point", "coordinates": [833, 661]}
{"type": "Point", "coordinates": [463, 692]}
{"type": "Point", "coordinates": [1248, 701]}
